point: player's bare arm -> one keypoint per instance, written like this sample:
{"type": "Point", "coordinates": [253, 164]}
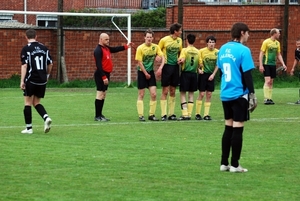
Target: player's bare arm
{"type": "Point", "coordinates": [23, 73]}
{"type": "Point", "coordinates": [261, 67]}
{"type": "Point", "coordinates": [141, 65]}
{"type": "Point", "coordinates": [159, 70]}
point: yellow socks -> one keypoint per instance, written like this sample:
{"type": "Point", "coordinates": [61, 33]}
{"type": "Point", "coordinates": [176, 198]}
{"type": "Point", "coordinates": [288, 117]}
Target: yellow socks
{"type": "Point", "coordinates": [190, 107]}
{"type": "Point", "coordinates": [198, 106]}
{"type": "Point", "coordinates": [206, 108]}
{"type": "Point", "coordinates": [163, 106]}
{"type": "Point", "coordinates": [171, 104]}
{"type": "Point", "coordinates": [140, 107]}
{"type": "Point", "coordinates": [152, 108]}
{"type": "Point", "coordinates": [266, 92]}
{"type": "Point", "coordinates": [270, 93]}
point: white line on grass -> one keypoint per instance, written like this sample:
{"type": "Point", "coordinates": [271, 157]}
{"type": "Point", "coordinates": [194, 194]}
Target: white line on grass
{"type": "Point", "coordinates": [293, 119]}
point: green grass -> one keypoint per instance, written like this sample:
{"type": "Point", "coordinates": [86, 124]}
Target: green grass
{"type": "Point", "coordinates": [283, 80]}
{"type": "Point", "coordinates": [80, 159]}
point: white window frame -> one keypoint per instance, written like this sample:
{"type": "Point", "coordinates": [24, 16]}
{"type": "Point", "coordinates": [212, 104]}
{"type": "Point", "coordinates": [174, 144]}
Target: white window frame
{"type": "Point", "coordinates": [274, 1]}
{"type": "Point", "coordinates": [6, 17]}
{"type": "Point", "coordinates": [46, 19]}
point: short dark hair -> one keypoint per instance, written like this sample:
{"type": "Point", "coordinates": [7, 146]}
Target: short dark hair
{"type": "Point", "coordinates": [191, 38]}
{"type": "Point", "coordinates": [274, 31]}
{"type": "Point", "coordinates": [175, 27]}
{"type": "Point", "coordinates": [237, 28]}
{"type": "Point", "coordinates": [210, 38]}
{"type": "Point", "coordinates": [149, 31]}
{"type": "Point", "coordinates": [30, 33]}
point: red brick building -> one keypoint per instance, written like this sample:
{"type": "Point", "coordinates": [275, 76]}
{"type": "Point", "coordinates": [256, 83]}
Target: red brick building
{"type": "Point", "coordinates": [200, 19]}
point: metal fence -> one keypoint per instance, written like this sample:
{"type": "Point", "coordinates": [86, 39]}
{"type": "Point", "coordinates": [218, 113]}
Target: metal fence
{"type": "Point", "coordinates": [131, 4]}
{"type": "Point", "coordinates": [152, 4]}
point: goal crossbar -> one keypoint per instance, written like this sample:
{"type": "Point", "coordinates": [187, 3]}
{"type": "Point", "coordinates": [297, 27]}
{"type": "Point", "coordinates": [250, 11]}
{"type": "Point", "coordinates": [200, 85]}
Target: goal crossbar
{"type": "Point", "coordinates": [128, 38]}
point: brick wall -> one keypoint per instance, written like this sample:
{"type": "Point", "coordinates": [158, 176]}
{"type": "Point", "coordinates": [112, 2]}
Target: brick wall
{"type": "Point", "coordinates": [79, 44]}
{"type": "Point", "coordinates": [39, 5]}
{"type": "Point", "coordinates": [260, 19]}
{"type": "Point", "coordinates": [132, 4]}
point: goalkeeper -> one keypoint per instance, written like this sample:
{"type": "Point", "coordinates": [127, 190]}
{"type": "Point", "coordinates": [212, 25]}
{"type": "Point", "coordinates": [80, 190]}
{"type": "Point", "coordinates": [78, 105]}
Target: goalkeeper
{"type": "Point", "coordinates": [237, 94]}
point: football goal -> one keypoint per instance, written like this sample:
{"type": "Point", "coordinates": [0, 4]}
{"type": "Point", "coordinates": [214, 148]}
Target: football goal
{"type": "Point", "coordinates": [112, 15]}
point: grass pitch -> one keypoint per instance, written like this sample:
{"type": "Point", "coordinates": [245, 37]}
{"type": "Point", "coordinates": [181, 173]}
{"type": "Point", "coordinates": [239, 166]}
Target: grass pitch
{"type": "Point", "coordinates": [127, 160]}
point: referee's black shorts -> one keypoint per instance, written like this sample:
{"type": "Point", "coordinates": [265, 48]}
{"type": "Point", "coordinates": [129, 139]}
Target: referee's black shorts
{"type": "Point", "coordinates": [170, 75]}
{"type": "Point", "coordinates": [188, 81]}
{"type": "Point", "coordinates": [99, 82]}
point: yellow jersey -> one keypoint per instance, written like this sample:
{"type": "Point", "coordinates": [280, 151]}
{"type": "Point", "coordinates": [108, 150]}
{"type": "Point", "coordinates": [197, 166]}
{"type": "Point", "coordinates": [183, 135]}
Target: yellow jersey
{"type": "Point", "coordinates": [192, 59]}
{"type": "Point", "coordinates": [147, 54]}
{"type": "Point", "coordinates": [271, 48]}
{"type": "Point", "coordinates": [208, 59]}
{"type": "Point", "coordinates": [171, 48]}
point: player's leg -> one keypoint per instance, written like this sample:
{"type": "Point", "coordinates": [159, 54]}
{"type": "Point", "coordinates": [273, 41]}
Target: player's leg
{"type": "Point", "coordinates": [140, 104]}
{"type": "Point", "coordinates": [240, 114]}
{"type": "Point", "coordinates": [191, 90]}
{"type": "Point", "coordinates": [210, 87]}
{"type": "Point", "coordinates": [207, 105]}
{"type": "Point", "coordinates": [28, 99]}
{"type": "Point", "coordinates": [100, 98]}
{"type": "Point", "coordinates": [27, 115]}
{"type": "Point", "coordinates": [171, 104]}
{"type": "Point", "coordinates": [153, 102]}
{"type": "Point", "coordinates": [190, 105]}
{"type": "Point", "coordinates": [227, 135]}
{"type": "Point", "coordinates": [199, 102]}
{"type": "Point", "coordinates": [99, 104]}
{"type": "Point", "coordinates": [266, 87]}
{"type": "Point", "coordinates": [40, 93]}
{"type": "Point", "coordinates": [165, 83]}
{"type": "Point", "coordinates": [183, 105]}
{"type": "Point", "coordinates": [183, 89]}
{"type": "Point", "coordinates": [141, 85]}
{"type": "Point", "coordinates": [173, 84]}
{"type": "Point", "coordinates": [273, 76]}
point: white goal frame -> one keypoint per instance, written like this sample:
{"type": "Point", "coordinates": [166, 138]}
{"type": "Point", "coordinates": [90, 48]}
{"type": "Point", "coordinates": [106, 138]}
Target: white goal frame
{"type": "Point", "coordinates": [128, 38]}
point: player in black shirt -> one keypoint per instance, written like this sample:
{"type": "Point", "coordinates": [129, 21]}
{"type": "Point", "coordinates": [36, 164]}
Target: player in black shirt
{"type": "Point", "coordinates": [35, 70]}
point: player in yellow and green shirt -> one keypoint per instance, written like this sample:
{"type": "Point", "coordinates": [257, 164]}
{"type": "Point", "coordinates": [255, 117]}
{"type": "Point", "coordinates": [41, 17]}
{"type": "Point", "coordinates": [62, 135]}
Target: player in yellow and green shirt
{"type": "Point", "coordinates": [269, 53]}
{"type": "Point", "coordinates": [145, 56]}
{"type": "Point", "coordinates": [171, 46]}
{"type": "Point", "coordinates": [189, 59]}
{"type": "Point", "coordinates": [206, 77]}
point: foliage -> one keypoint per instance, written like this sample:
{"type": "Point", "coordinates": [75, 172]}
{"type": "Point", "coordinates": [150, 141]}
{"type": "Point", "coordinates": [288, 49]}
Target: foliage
{"type": "Point", "coordinates": [153, 18]}
{"type": "Point", "coordinates": [141, 18]}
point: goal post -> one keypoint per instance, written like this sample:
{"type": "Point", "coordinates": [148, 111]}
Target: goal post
{"type": "Point", "coordinates": [128, 16]}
